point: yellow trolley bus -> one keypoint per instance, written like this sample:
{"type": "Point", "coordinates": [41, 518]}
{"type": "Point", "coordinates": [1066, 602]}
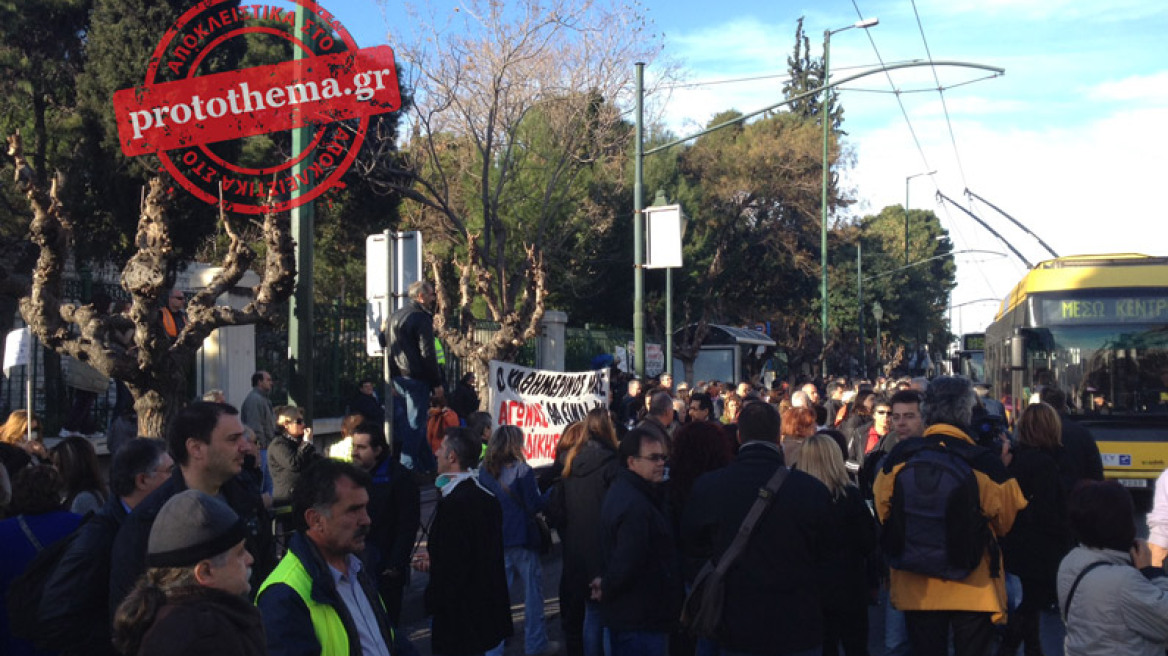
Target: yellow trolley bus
{"type": "Point", "coordinates": [1097, 327]}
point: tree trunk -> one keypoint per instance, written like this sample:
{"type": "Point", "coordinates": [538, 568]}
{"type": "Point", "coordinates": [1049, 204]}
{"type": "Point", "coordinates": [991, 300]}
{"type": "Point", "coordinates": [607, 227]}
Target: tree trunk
{"type": "Point", "coordinates": [482, 372]}
{"type": "Point", "coordinates": [151, 408]}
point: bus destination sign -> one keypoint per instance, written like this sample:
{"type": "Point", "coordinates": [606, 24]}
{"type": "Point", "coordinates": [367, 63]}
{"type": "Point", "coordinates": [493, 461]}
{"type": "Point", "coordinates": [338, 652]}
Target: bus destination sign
{"type": "Point", "coordinates": [1129, 309]}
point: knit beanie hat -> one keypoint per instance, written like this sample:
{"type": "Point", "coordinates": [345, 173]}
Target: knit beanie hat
{"type": "Point", "coordinates": [192, 526]}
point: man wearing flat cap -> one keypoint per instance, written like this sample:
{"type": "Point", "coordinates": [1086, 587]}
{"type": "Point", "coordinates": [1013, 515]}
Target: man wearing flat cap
{"type": "Point", "coordinates": [192, 599]}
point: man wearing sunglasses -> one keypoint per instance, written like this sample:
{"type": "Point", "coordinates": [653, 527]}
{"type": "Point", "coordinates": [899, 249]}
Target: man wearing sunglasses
{"type": "Point", "coordinates": [290, 453]}
{"type": "Point", "coordinates": [640, 589]}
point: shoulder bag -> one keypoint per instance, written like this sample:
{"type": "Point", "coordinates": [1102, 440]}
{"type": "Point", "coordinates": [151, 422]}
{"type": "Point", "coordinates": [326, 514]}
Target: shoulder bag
{"type": "Point", "coordinates": [702, 612]}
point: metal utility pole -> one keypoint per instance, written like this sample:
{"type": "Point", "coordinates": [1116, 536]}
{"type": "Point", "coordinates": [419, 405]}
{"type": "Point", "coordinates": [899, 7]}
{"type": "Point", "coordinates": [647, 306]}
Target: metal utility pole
{"type": "Point", "coordinates": [300, 314]}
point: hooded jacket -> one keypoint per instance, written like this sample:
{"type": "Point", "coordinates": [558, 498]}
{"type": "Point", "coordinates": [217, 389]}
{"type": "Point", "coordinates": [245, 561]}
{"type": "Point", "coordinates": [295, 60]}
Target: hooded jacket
{"type": "Point", "coordinates": [1001, 499]}
{"type": "Point", "coordinates": [575, 510]}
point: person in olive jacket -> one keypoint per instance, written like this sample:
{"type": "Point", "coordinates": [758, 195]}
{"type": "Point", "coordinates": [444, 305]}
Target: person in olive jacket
{"type": "Point", "coordinates": [640, 589]}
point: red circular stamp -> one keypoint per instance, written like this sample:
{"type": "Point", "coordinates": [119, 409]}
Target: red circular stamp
{"type": "Point", "coordinates": [196, 109]}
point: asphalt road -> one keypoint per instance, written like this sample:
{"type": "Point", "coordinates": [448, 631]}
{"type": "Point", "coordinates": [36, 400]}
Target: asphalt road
{"type": "Point", "coordinates": [417, 626]}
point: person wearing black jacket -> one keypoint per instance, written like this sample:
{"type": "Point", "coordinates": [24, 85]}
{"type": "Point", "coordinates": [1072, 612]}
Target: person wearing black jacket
{"type": "Point", "coordinates": [290, 453]}
{"type": "Point", "coordinates": [206, 441]}
{"type": "Point", "coordinates": [467, 593]}
{"type": "Point", "coordinates": [409, 333]}
{"type": "Point", "coordinates": [640, 588]}
{"type": "Point", "coordinates": [588, 460]}
{"type": "Point", "coordinates": [773, 593]}
{"type": "Point", "coordinates": [1041, 535]}
{"type": "Point", "coordinates": [1079, 458]}
{"type": "Point", "coordinates": [366, 403]}
{"type": "Point", "coordinates": [395, 512]}
{"type": "Point", "coordinates": [844, 573]}
{"type": "Point", "coordinates": [464, 400]}
{"type": "Point", "coordinates": [74, 604]}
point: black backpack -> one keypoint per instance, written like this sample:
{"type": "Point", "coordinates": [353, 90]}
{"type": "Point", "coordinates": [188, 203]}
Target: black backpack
{"type": "Point", "coordinates": [27, 590]}
{"type": "Point", "coordinates": [936, 526]}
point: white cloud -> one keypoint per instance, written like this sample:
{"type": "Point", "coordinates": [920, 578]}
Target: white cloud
{"type": "Point", "coordinates": [1151, 88]}
{"type": "Point", "coordinates": [1087, 189]}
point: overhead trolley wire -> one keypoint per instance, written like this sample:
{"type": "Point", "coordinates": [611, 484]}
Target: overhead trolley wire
{"type": "Point", "coordinates": [955, 225]}
{"type": "Point", "coordinates": [941, 93]}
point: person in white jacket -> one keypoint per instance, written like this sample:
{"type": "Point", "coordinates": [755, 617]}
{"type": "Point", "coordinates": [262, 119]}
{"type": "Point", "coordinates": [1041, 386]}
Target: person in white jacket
{"type": "Point", "coordinates": [1112, 599]}
{"type": "Point", "coordinates": [1158, 522]}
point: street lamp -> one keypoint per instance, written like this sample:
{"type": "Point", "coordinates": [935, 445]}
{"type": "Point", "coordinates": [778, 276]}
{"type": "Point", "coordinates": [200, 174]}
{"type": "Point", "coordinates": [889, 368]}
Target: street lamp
{"type": "Point", "coordinates": [906, 181]}
{"type": "Point", "coordinates": [825, 117]}
{"type": "Point", "coordinates": [640, 153]}
{"type": "Point", "coordinates": [878, 312]}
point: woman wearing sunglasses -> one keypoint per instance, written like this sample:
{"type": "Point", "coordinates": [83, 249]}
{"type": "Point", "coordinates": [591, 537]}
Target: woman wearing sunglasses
{"type": "Point", "coordinates": [290, 453]}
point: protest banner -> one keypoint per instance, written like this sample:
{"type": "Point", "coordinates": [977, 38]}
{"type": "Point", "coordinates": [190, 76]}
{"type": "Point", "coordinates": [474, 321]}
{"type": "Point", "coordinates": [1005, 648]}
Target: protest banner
{"type": "Point", "coordinates": [543, 403]}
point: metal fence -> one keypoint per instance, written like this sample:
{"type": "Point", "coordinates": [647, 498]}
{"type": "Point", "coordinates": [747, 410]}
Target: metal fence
{"type": "Point", "coordinates": [340, 363]}
{"type": "Point", "coordinates": [582, 345]}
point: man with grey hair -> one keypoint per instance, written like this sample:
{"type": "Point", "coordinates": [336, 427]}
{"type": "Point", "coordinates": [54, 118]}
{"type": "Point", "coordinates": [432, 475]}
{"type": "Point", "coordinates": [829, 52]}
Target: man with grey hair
{"type": "Point", "coordinates": [915, 532]}
{"type": "Point", "coordinates": [409, 333]}
{"type": "Point", "coordinates": [659, 421]}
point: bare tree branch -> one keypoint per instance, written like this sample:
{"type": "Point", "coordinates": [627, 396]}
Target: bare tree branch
{"type": "Point", "coordinates": [153, 366]}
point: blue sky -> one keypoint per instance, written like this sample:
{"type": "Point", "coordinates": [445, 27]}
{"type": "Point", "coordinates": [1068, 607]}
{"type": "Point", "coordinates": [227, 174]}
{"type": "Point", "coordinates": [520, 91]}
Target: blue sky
{"type": "Point", "coordinates": [1072, 140]}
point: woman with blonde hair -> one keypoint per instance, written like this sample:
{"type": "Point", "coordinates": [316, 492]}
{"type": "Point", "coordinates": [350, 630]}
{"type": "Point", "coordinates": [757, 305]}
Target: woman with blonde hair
{"type": "Point", "coordinates": [851, 540]}
{"type": "Point", "coordinates": [1041, 535]}
{"type": "Point", "coordinates": [507, 475]}
{"type": "Point", "coordinates": [15, 432]}
{"type": "Point", "coordinates": [589, 463]}
{"type": "Point", "coordinates": [798, 425]}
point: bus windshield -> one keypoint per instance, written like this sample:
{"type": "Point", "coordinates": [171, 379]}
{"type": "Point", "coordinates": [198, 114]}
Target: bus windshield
{"type": "Point", "coordinates": [973, 365]}
{"type": "Point", "coordinates": [1106, 370]}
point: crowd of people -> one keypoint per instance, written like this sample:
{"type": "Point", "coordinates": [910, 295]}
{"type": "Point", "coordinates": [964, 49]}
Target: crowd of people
{"type": "Point", "coordinates": [236, 535]}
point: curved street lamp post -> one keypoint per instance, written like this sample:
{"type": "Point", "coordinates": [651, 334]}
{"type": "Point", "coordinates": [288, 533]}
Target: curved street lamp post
{"type": "Point", "coordinates": [638, 182]}
{"type": "Point", "coordinates": [825, 118]}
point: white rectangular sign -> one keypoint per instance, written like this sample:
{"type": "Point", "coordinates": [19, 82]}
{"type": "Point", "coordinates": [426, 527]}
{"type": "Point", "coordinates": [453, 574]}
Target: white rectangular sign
{"type": "Point", "coordinates": [654, 359]}
{"type": "Point", "coordinates": [544, 403]}
{"type": "Point", "coordinates": [664, 227]}
{"type": "Point", "coordinates": [17, 348]}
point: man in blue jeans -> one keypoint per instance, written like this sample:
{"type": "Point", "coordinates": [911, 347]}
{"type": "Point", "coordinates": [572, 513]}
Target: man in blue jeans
{"type": "Point", "coordinates": [414, 365]}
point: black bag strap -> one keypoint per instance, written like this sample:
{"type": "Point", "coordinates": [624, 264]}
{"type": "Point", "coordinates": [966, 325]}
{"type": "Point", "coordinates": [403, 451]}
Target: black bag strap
{"type": "Point", "coordinates": [766, 495]}
{"type": "Point", "coordinates": [1075, 586]}
{"type": "Point", "coordinates": [32, 538]}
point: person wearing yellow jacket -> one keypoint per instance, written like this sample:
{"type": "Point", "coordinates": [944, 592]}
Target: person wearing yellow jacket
{"type": "Point", "coordinates": [972, 605]}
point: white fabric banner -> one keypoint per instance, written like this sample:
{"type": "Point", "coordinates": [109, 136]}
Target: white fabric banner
{"type": "Point", "coordinates": [17, 348]}
{"type": "Point", "coordinates": [544, 403]}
